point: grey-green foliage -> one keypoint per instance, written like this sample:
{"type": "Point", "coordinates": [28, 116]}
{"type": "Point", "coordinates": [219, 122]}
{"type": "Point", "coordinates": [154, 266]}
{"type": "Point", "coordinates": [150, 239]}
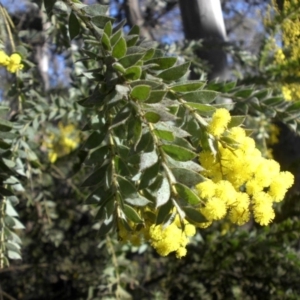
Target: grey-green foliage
{"type": "Point", "coordinates": [146, 109]}
{"type": "Point", "coordinates": [11, 169]}
{"type": "Point", "coordinates": [150, 121]}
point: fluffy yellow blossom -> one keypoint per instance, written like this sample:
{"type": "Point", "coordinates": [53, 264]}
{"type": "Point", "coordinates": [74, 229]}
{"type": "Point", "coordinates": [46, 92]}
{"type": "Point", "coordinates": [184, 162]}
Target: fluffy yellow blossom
{"type": "Point", "coordinates": [287, 92]}
{"type": "Point", "coordinates": [215, 209]}
{"type": "Point", "coordinates": [239, 213]}
{"type": "Point", "coordinates": [63, 143]}
{"type": "Point", "coordinates": [189, 230]}
{"type": "Point", "coordinates": [253, 186]}
{"type": "Point", "coordinates": [165, 240]}
{"type": "Point", "coordinates": [266, 170]}
{"type": "Point", "coordinates": [204, 224]}
{"type": "Point", "coordinates": [219, 122]}
{"type": "Point", "coordinates": [262, 208]}
{"type": "Point", "coordinates": [4, 59]}
{"type": "Point", "coordinates": [274, 132]}
{"type": "Point", "coordinates": [130, 233]}
{"type": "Point", "coordinates": [180, 252]}
{"type": "Point", "coordinates": [289, 59]}
{"type": "Point", "coordinates": [206, 189]}
{"type": "Point", "coordinates": [226, 192]}
{"type": "Point", "coordinates": [172, 238]}
{"type": "Point", "coordinates": [241, 182]}
{"type": "Point", "coordinates": [14, 63]}
{"type": "Point", "coordinates": [280, 185]}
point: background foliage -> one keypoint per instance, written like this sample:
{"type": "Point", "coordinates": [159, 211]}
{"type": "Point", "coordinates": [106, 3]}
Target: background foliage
{"type": "Point", "coordinates": [71, 143]}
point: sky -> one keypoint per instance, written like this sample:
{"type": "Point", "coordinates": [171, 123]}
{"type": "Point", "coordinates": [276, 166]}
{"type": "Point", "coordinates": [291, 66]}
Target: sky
{"type": "Point", "coordinates": [168, 31]}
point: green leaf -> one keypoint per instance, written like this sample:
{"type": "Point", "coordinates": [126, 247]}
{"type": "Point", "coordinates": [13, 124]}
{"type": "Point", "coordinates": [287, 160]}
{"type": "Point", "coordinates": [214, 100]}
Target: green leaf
{"type": "Point", "coordinates": [137, 200]}
{"type": "Point", "coordinates": [174, 73]}
{"type": "Point", "coordinates": [261, 94]}
{"type": "Point", "coordinates": [187, 86]}
{"type": "Point", "coordinates": [273, 101]}
{"type": "Point", "coordinates": [5, 192]}
{"type": "Point", "coordinates": [74, 26]}
{"type": "Point", "coordinates": [130, 60]}
{"type": "Point", "coordinates": [5, 125]}
{"type": "Point", "coordinates": [156, 96]}
{"type": "Point", "coordinates": [164, 134]}
{"type": "Point", "coordinates": [149, 54]}
{"type": "Point", "coordinates": [105, 41]}
{"type": "Point", "coordinates": [175, 130]}
{"type": "Point", "coordinates": [101, 20]}
{"type": "Point", "coordinates": [187, 194]}
{"type": "Point", "coordinates": [155, 85]}
{"type": "Point", "coordinates": [120, 48]}
{"type": "Point", "coordinates": [202, 96]}
{"type": "Point", "coordinates": [14, 223]}
{"type": "Point", "coordinates": [187, 177]}
{"type": "Point", "coordinates": [4, 145]}
{"type": "Point", "coordinates": [135, 131]}
{"type": "Point", "coordinates": [295, 106]}
{"type": "Point", "coordinates": [146, 143]}
{"type": "Point", "coordinates": [133, 73]}
{"type": "Point", "coordinates": [95, 139]}
{"type": "Point", "coordinates": [131, 40]}
{"type": "Point", "coordinates": [152, 117]}
{"type": "Point", "coordinates": [140, 92]}
{"type": "Point", "coordinates": [10, 211]}
{"type": "Point", "coordinates": [96, 177]}
{"type": "Point", "coordinates": [147, 160]}
{"type": "Point", "coordinates": [106, 226]}
{"type": "Point", "coordinates": [236, 121]}
{"type": "Point", "coordinates": [118, 67]}
{"type": "Point", "coordinates": [99, 196]}
{"type": "Point", "coordinates": [4, 111]}
{"type": "Point", "coordinates": [194, 215]}
{"type": "Point", "coordinates": [135, 30]}
{"type": "Point", "coordinates": [129, 193]}
{"type": "Point", "coordinates": [13, 255]}
{"type": "Point", "coordinates": [49, 6]}
{"type": "Point", "coordinates": [95, 9]}
{"type": "Point", "coordinates": [108, 29]}
{"type": "Point", "coordinates": [131, 214]}
{"type": "Point", "coordinates": [149, 176]}
{"type": "Point", "coordinates": [98, 155]}
{"type": "Point", "coordinates": [119, 26]}
{"type": "Point", "coordinates": [163, 193]}
{"type": "Point", "coordinates": [163, 213]}
{"type": "Point", "coordinates": [162, 63]}
{"type": "Point", "coordinates": [121, 166]}
{"type": "Point", "coordinates": [204, 109]}
{"type": "Point", "coordinates": [122, 116]}
{"type": "Point", "coordinates": [115, 37]}
{"type": "Point", "coordinates": [244, 93]}
{"type": "Point", "coordinates": [178, 153]}
{"type": "Point", "coordinates": [22, 51]}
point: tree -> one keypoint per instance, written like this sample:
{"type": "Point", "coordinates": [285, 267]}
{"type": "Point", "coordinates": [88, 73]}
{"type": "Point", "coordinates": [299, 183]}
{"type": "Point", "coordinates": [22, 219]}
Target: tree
{"type": "Point", "coordinates": [154, 156]}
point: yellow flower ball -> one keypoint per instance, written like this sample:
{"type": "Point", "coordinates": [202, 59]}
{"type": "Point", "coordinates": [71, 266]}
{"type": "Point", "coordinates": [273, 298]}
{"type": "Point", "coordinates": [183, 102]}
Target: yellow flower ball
{"type": "Point", "coordinates": [219, 122]}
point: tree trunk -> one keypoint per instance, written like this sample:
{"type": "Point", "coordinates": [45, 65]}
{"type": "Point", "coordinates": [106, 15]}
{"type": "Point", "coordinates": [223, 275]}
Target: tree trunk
{"type": "Point", "coordinates": [134, 17]}
{"type": "Point", "coordinates": [202, 19]}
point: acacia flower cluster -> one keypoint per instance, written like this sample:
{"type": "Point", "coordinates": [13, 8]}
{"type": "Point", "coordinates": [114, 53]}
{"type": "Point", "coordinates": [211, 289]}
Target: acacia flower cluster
{"type": "Point", "coordinates": [12, 63]}
{"type": "Point", "coordinates": [164, 239]}
{"type": "Point", "coordinates": [241, 181]}
{"type": "Point", "coordinates": [289, 59]}
{"type": "Point", "coordinates": [172, 238]}
{"type": "Point", "coordinates": [63, 143]}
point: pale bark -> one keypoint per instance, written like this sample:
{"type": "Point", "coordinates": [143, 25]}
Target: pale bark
{"type": "Point", "coordinates": [202, 19]}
